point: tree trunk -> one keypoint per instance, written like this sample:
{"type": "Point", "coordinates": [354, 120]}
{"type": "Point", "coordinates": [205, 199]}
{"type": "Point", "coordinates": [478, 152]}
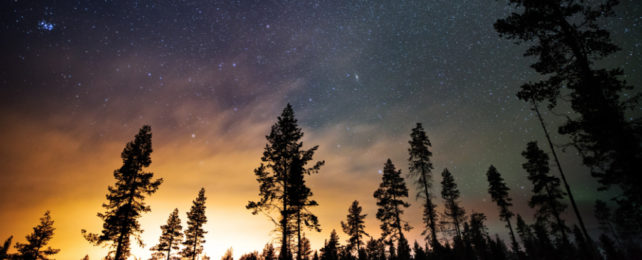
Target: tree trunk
{"type": "Point", "coordinates": [431, 225]}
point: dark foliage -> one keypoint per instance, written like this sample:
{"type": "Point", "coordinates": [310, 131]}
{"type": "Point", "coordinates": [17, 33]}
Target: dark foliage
{"type": "Point", "coordinates": [354, 227]}
{"type": "Point", "coordinates": [280, 174]}
{"type": "Point", "coordinates": [499, 193]}
{"type": "Point", "coordinates": [421, 170]}
{"type": "Point", "coordinates": [568, 41]}
{"type": "Point", "coordinates": [171, 236]}
{"type": "Point", "coordinates": [126, 197]}
{"type": "Point", "coordinates": [37, 240]}
{"type": "Point", "coordinates": [330, 250]}
{"type": "Point", "coordinates": [454, 215]}
{"type": "Point", "coordinates": [195, 235]}
{"type": "Point", "coordinates": [390, 199]}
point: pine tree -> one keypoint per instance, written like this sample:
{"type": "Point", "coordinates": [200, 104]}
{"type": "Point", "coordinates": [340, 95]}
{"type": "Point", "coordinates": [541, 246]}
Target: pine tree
{"type": "Point", "coordinates": [454, 214]}
{"type": "Point", "coordinates": [195, 235]}
{"type": "Point", "coordinates": [420, 253]}
{"type": "Point", "coordinates": [331, 249]}
{"type": "Point", "coordinates": [268, 252]}
{"type": "Point", "coordinates": [375, 249]}
{"type": "Point", "coordinates": [126, 197]}
{"type": "Point", "coordinates": [171, 235]}
{"type": "Point", "coordinates": [499, 193]}
{"type": "Point", "coordinates": [403, 249]}
{"type": "Point", "coordinates": [421, 170]}
{"type": "Point", "coordinates": [282, 158]}
{"type": "Point", "coordinates": [354, 227]}
{"type": "Point", "coordinates": [306, 248]}
{"type": "Point", "coordinates": [36, 241]}
{"type": "Point", "coordinates": [569, 41]}
{"type": "Point", "coordinates": [299, 196]}
{"type": "Point", "coordinates": [390, 195]}
{"type": "Point", "coordinates": [476, 235]}
{"type": "Point", "coordinates": [526, 235]}
{"type": "Point", "coordinates": [546, 189]}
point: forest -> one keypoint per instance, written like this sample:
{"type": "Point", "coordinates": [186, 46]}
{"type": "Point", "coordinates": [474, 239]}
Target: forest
{"type": "Point", "coordinates": [566, 41]}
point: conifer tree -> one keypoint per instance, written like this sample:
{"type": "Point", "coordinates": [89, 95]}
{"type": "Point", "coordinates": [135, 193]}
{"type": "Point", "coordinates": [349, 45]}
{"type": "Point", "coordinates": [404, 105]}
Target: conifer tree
{"type": "Point", "coordinates": [354, 227]}
{"type": "Point", "coordinates": [403, 248]}
{"type": "Point", "coordinates": [331, 249]}
{"type": "Point", "coordinates": [375, 249]}
{"type": "Point", "coordinates": [126, 198]}
{"type": "Point", "coordinates": [228, 254]}
{"type": "Point", "coordinates": [569, 41]}
{"type": "Point", "coordinates": [499, 193]}
{"type": "Point", "coordinates": [419, 252]}
{"type": "Point", "coordinates": [171, 235]}
{"type": "Point", "coordinates": [36, 241]}
{"type": "Point", "coordinates": [4, 249]}
{"type": "Point", "coordinates": [421, 170]}
{"type": "Point", "coordinates": [299, 196]}
{"type": "Point", "coordinates": [546, 189]}
{"type": "Point", "coordinates": [195, 235]}
{"type": "Point", "coordinates": [526, 235]}
{"type": "Point", "coordinates": [605, 220]}
{"type": "Point", "coordinates": [268, 252]}
{"type": "Point", "coordinates": [390, 199]}
{"type": "Point", "coordinates": [454, 214]}
{"type": "Point", "coordinates": [306, 248]}
{"type": "Point", "coordinates": [282, 158]}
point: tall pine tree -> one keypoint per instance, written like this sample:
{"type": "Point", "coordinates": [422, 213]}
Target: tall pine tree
{"type": "Point", "coordinates": [299, 196]}
{"type": "Point", "coordinates": [36, 241]}
{"type": "Point", "coordinates": [499, 193]}
{"type": "Point", "coordinates": [421, 169]}
{"type": "Point", "coordinates": [454, 214]}
{"type": "Point", "coordinates": [390, 199]}
{"type": "Point", "coordinates": [126, 198]}
{"type": "Point", "coordinates": [171, 236]}
{"type": "Point", "coordinates": [569, 42]}
{"type": "Point", "coordinates": [195, 235]}
{"type": "Point", "coordinates": [546, 189]}
{"type": "Point", "coordinates": [355, 227]}
{"type": "Point", "coordinates": [282, 158]}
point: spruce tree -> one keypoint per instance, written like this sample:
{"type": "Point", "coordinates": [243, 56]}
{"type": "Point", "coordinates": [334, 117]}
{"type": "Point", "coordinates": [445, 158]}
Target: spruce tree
{"type": "Point", "coordinates": [36, 241]}
{"type": "Point", "coordinates": [299, 196]}
{"type": "Point", "coordinates": [526, 235]}
{"type": "Point", "coordinates": [282, 161]}
{"type": "Point", "coordinates": [126, 198]}
{"type": "Point", "coordinates": [354, 227]}
{"type": "Point", "coordinates": [421, 170]}
{"type": "Point", "coordinates": [171, 235]}
{"type": "Point", "coordinates": [454, 214]}
{"type": "Point", "coordinates": [268, 252]}
{"type": "Point", "coordinates": [546, 189]}
{"type": "Point", "coordinates": [568, 43]}
{"type": "Point", "coordinates": [390, 199]}
{"type": "Point", "coordinates": [499, 193]}
{"type": "Point", "coordinates": [195, 235]}
{"type": "Point", "coordinates": [375, 249]}
{"type": "Point", "coordinates": [331, 249]}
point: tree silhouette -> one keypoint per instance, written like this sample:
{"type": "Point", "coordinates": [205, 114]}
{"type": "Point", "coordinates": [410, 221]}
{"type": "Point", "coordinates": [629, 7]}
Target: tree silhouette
{"type": "Point", "coordinates": [568, 42]}
{"type": "Point", "coordinates": [4, 249]}
{"type": "Point", "coordinates": [454, 214]}
{"type": "Point", "coordinates": [195, 235]}
{"type": "Point", "coordinates": [268, 252]}
{"type": "Point", "coordinates": [546, 189]}
{"type": "Point", "coordinates": [126, 197]}
{"type": "Point", "coordinates": [171, 235]}
{"type": "Point", "coordinates": [476, 235]}
{"type": "Point", "coordinates": [330, 250]}
{"type": "Point", "coordinates": [228, 254]}
{"type": "Point", "coordinates": [403, 249]}
{"type": "Point", "coordinates": [299, 196]}
{"type": "Point", "coordinates": [421, 169]}
{"type": "Point", "coordinates": [250, 256]}
{"type": "Point", "coordinates": [605, 220]}
{"type": "Point", "coordinates": [375, 249]}
{"type": "Point", "coordinates": [281, 157]}
{"type": "Point", "coordinates": [499, 193]}
{"type": "Point", "coordinates": [390, 194]}
{"type": "Point", "coordinates": [37, 240]}
{"type": "Point", "coordinates": [528, 238]}
{"type": "Point", "coordinates": [354, 227]}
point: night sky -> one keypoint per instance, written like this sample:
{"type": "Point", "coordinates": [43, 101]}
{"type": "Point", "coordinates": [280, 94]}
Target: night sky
{"type": "Point", "coordinates": [78, 78]}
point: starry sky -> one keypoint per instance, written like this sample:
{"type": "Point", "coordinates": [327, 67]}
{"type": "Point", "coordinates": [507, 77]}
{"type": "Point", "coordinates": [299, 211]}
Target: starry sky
{"type": "Point", "coordinates": [78, 78]}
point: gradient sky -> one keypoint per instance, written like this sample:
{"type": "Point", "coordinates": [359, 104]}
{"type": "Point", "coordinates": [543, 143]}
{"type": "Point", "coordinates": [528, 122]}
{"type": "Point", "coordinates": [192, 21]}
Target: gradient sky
{"type": "Point", "coordinates": [78, 78]}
